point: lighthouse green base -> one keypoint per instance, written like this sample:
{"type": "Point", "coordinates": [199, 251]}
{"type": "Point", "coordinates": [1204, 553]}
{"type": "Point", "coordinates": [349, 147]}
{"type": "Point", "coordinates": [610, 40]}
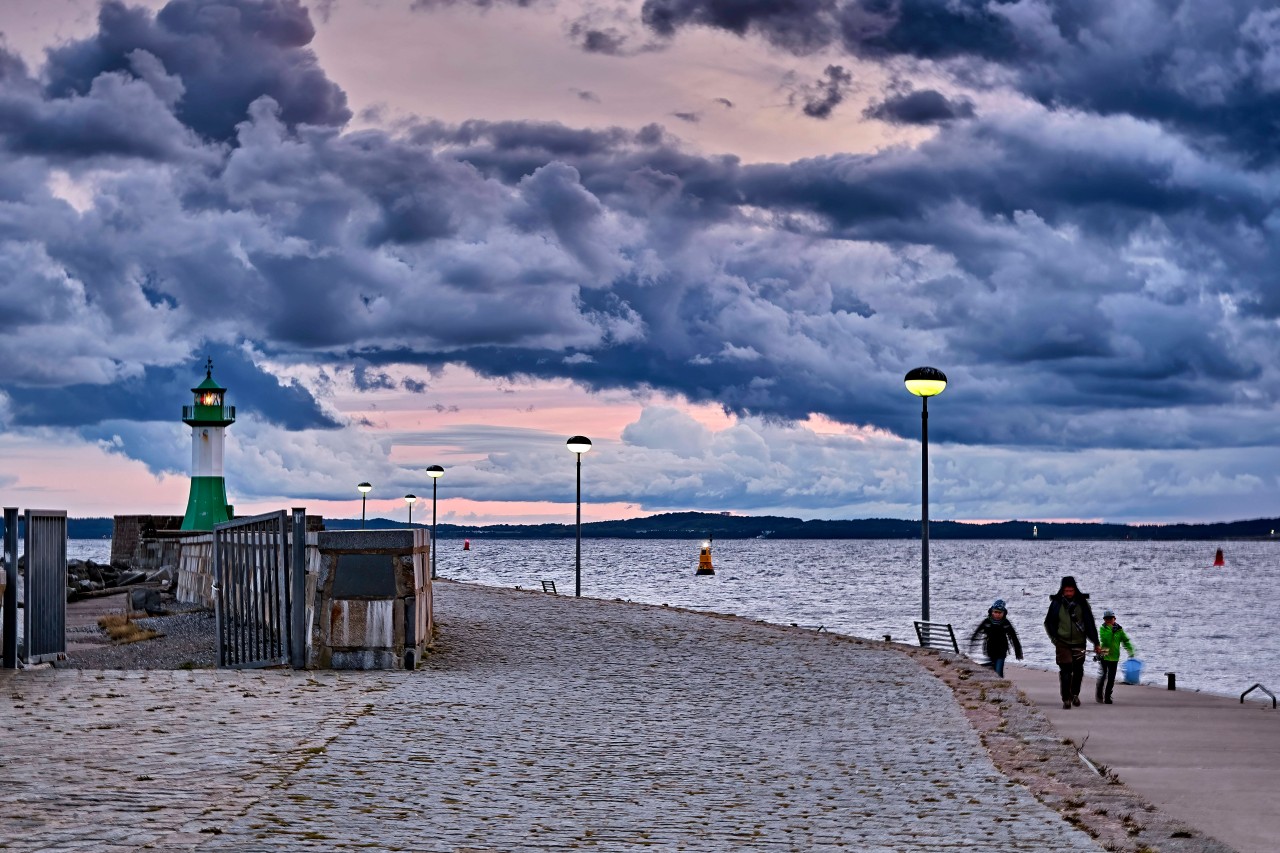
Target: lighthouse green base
{"type": "Point", "coordinates": [207, 504]}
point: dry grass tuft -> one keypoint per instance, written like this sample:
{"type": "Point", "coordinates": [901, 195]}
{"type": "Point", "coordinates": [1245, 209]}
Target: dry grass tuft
{"type": "Point", "coordinates": [120, 629]}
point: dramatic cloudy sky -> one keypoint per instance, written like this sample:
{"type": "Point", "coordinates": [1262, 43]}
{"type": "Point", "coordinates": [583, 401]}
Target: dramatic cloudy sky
{"type": "Point", "coordinates": [712, 235]}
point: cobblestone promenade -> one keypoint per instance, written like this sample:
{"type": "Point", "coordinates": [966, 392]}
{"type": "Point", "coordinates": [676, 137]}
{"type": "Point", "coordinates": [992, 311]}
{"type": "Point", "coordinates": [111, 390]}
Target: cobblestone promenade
{"type": "Point", "coordinates": [540, 723]}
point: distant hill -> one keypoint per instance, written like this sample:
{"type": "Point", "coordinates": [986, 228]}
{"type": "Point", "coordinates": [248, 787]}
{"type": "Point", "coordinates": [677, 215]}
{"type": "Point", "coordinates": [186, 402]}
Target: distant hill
{"type": "Point", "coordinates": [691, 525]}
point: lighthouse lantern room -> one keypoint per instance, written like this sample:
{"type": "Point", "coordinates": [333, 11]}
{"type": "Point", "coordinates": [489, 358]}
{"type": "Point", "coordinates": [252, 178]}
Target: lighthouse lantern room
{"type": "Point", "coordinates": [208, 418]}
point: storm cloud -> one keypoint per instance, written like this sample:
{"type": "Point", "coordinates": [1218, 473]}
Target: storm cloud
{"type": "Point", "coordinates": [1092, 264]}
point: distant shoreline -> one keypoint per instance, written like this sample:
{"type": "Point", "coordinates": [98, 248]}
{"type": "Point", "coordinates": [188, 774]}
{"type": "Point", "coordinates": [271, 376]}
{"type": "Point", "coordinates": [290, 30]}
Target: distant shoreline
{"type": "Point", "coordinates": [694, 525]}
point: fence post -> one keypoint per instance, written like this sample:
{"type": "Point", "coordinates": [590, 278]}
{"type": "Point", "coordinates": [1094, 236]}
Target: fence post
{"type": "Point", "coordinates": [11, 588]}
{"type": "Point", "coordinates": [298, 591]}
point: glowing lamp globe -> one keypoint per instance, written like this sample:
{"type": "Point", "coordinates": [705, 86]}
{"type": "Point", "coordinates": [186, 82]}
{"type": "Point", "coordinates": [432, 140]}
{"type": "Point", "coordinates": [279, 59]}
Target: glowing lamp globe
{"type": "Point", "coordinates": [926, 381]}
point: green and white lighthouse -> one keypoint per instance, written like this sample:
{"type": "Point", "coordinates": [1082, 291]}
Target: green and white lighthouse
{"type": "Point", "coordinates": [208, 418]}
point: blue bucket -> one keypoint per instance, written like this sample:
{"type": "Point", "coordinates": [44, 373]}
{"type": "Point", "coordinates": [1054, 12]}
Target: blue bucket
{"type": "Point", "coordinates": [1132, 671]}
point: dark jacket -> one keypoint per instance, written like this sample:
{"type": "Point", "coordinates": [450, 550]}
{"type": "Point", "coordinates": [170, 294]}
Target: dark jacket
{"type": "Point", "coordinates": [1081, 614]}
{"type": "Point", "coordinates": [1000, 635]}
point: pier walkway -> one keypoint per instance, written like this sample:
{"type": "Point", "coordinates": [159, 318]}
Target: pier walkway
{"type": "Point", "coordinates": [540, 723]}
{"type": "Point", "coordinates": [1209, 760]}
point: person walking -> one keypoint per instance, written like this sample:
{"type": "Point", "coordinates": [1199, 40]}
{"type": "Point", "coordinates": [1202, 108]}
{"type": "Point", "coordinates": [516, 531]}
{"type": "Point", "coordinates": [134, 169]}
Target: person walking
{"type": "Point", "coordinates": [1070, 626]}
{"type": "Point", "coordinates": [1111, 637]}
{"type": "Point", "coordinates": [998, 636]}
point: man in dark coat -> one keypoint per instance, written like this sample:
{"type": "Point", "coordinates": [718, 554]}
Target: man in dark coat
{"type": "Point", "coordinates": [1070, 626]}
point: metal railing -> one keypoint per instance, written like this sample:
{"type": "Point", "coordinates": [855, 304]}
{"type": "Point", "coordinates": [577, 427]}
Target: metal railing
{"type": "Point", "coordinates": [1264, 690]}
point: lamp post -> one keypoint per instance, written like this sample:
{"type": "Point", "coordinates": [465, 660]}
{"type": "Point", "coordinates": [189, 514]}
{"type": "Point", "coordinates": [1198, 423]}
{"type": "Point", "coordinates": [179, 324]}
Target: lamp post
{"type": "Point", "coordinates": [579, 444]}
{"type": "Point", "coordinates": [364, 493]}
{"type": "Point", "coordinates": [925, 382]}
{"type": "Point", "coordinates": [409, 499]}
{"type": "Point", "coordinates": [435, 472]}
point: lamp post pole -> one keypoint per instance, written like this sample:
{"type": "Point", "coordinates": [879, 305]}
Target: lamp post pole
{"type": "Point", "coordinates": [924, 508]}
{"type": "Point", "coordinates": [925, 382]}
{"type": "Point", "coordinates": [364, 493]}
{"type": "Point", "coordinates": [435, 472]}
{"type": "Point", "coordinates": [579, 444]}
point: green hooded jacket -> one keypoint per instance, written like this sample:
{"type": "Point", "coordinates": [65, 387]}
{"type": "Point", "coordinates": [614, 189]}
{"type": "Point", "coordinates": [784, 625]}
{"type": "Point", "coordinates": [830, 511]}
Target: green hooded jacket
{"type": "Point", "coordinates": [1111, 638]}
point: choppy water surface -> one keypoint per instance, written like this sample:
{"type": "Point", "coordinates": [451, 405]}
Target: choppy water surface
{"type": "Point", "coordinates": [1214, 627]}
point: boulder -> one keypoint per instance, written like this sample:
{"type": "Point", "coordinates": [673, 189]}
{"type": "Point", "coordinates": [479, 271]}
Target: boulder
{"type": "Point", "coordinates": [148, 600]}
{"type": "Point", "coordinates": [164, 575]}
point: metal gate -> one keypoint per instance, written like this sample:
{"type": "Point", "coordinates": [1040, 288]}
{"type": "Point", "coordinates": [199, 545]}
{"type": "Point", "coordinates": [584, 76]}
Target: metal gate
{"type": "Point", "coordinates": [9, 639]}
{"type": "Point", "coordinates": [259, 614]}
{"type": "Point", "coordinates": [45, 602]}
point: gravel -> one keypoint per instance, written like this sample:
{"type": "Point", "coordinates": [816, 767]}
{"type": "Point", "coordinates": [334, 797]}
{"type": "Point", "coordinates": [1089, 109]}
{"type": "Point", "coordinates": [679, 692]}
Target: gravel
{"type": "Point", "coordinates": [187, 641]}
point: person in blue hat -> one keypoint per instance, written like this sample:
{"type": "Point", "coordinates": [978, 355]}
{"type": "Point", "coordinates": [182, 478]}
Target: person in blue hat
{"type": "Point", "coordinates": [1110, 638]}
{"type": "Point", "coordinates": [999, 636]}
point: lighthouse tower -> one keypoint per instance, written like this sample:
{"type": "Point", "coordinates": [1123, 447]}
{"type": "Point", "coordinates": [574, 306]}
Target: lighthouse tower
{"type": "Point", "coordinates": [208, 419]}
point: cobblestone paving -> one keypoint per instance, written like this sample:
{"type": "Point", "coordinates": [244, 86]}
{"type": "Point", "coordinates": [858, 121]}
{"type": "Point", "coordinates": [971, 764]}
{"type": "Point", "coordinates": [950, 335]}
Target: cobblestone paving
{"type": "Point", "coordinates": [540, 723]}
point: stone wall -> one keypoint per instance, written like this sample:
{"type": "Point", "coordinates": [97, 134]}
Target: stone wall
{"type": "Point", "coordinates": [129, 534]}
{"type": "Point", "coordinates": [373, 607]}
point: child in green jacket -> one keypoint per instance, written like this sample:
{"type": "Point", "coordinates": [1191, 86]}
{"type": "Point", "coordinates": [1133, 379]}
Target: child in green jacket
{"type": "Point", "coordinates": [1110, 637]}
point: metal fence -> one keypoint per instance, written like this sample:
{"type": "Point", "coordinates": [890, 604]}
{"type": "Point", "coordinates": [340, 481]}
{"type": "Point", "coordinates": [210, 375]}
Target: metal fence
{"type": "Point", "coordinates": [44, 587]}
{"type": "Point", "coordinates": [9, 638]}
{"type": "Point", "coordinates": [257, 610]}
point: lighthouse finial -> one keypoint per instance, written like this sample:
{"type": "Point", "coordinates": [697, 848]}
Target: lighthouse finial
{"type": "Point", "coordinates": [208, 367]}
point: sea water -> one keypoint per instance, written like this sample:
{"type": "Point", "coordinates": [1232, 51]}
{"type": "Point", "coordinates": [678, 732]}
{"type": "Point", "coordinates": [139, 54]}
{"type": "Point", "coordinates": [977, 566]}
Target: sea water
{"type": "Point", "coordinates": [1210, 625]}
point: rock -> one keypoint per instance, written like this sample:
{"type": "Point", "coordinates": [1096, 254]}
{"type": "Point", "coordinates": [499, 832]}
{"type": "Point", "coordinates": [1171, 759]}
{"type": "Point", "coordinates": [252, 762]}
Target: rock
{"type": "Point", "coordinates": [148, 600]}
{"type": "Point", "coordinates": [164, 575]}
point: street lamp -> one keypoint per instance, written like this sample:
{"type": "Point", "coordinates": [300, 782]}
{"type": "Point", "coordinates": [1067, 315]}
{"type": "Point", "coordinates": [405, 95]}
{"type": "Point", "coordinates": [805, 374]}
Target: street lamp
{"type": "Point", "coordinates": [435, 472]}
{"type": "Point", "coordinates": [364, 493]}
{"type": "Point", "coordinates": [579, 444]}
{"type": "Point", "coordinates": [409, 499]}
{"type": "Point", "coordinates": [925, 382]}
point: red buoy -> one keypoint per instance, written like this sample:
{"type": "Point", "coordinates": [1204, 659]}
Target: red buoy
{"type": "Point", "coordinates": [466, 544]}
{"type": "Point", "coordinates": [1217, 559]}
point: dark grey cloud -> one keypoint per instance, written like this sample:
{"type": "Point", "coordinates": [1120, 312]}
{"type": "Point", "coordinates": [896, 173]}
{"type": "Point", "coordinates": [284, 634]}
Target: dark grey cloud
{"type": "Point", "coordinates": [159, 392]}
{"type": "Point", "coordinates": [801, 26]}
{"type": "Point", "coordinates": [122, 114]}
{"type": "Point", "coordinates": [820, 98]}
{"type": "Point", "coordinates": [925, 106]}
{"type": "Point", "coordinates": [1102, 266]}
{"type": "Point", "coordinates": [1205, 69]}
{"type": "Point", "coordinates": [607, 41]}
{"type": "Point", "coordinates": [223, 54]}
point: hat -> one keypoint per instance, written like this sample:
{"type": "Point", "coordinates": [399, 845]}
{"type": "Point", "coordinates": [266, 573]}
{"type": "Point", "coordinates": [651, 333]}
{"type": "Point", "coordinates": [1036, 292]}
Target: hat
{"type": "Point", "coordinates": [1068, 581]}
{"type": "Point", "coordinates": [998, 604]}
{"type": "Point", "coordinates": [1108, 614]}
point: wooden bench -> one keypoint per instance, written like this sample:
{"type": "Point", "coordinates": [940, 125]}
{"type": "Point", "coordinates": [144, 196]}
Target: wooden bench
{"type": "Point", "coordinates": [937, 635]}
{"type": "Point", "coordinates": [549, 586]}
